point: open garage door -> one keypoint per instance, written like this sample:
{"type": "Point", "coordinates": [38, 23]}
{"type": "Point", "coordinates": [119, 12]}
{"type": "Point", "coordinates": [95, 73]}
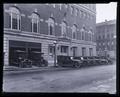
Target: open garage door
{"type": "Point", "coordinates": [20, 51]}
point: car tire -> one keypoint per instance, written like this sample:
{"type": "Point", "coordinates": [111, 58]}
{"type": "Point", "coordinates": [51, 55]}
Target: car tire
{"type": "Point", "coordinates": [77, 65]}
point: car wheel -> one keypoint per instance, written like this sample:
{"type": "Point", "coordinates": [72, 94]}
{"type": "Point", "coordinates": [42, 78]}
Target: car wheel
{"type": "Point", "coordinates": [77, 65]}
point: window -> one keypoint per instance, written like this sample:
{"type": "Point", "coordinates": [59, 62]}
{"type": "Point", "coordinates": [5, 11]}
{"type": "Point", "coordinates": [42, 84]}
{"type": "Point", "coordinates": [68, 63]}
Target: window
{"type": "Point", "coordinates": [76, 12]}
{"type": "Point", "coordinates": [80, 13]}
{"type": "Point", "coordinates": [74, 32]}
{"type": "Point", "coordinates": [91, 51]}
{"type": "Point", "coordinates": [60, 6]}
{"type": "Point", "coordinates": [35, 22]}
{"type": "Point", "coordinates": [72, 10]}
{"type": "Point", "coordinates": [51, 25]}
{"type": "Point", "coordinates": [51, 49]}
{"type": "Point", "coordinates": [85, 15]}
{"type": "Point", "coordinates": [91, 34]}
{"type": "Point", "coordinates": [14, 23]}
{"type": "Point", "coordinates": [74, 51]}
{"type": "Point", "coordinates": [83, 33]}
{"type": "Point", "coordinates": [66, 6]}
{"type": "Point", "coordinates": [64, 29]}
{"type": "Point", "coordinates": [83, 51]}
{"type": "Point", "coordinates": [15, 18]}
{"type": "Point", "coordinates": [64, 49]}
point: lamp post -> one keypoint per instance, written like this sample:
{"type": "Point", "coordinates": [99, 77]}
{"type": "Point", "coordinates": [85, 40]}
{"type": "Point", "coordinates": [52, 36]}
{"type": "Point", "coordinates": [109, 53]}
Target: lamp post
{"type": "Point", "coordinates": [55, 54]}
{"type": "Point", "coordinates": [105, 51]}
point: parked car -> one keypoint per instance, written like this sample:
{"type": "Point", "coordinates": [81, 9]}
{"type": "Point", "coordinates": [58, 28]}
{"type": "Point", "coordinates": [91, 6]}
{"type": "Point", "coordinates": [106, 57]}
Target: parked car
{"type": "Point", "coordinates": [108, 59]}
{"type": "Point", "coordinates": [92, 60]}
{"type": "Point", "coordinates": [37, 59]}
{"type": "Point", "coordinates": [19, 59]}
{"type": "Point", "coordinates": [68, 61]}
{"type": "Point", "coordinates": [26, 63]}
{"type": "Point", "coordinates": [84, 60]}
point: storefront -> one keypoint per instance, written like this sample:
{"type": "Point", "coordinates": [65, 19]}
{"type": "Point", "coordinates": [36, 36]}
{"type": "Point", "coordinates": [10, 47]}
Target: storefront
{"type": "Point", "coordinates": [23, 50]}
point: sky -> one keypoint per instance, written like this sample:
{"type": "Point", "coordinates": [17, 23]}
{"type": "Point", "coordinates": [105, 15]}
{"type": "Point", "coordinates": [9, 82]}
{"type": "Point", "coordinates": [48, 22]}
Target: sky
{"type": "Point", "coordinates": [106, 11]}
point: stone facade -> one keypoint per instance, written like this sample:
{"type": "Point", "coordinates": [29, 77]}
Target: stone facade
{"type": "Point", "coordinates": [106, 38]}
{"type": "Point", "coordinates": [84, 17]}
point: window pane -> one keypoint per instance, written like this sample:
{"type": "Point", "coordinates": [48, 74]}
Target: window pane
{"type": "Point", "coordinates": [82, 35]}
{"type": "Point", "coordinates": [52, 49]}
{"type": "Point", "coordinates": [83, 51]}
{"type": "Point", "coordinates": [51, 30]}
{"type": "Point", "coordinates": [10, 21]}
{"type": "Point", "coordinates": [91, 51]}
{"type": "Point", "coordinates": [73, 35]}
{"type": "Point", "coordinates": [64, 49]}
{"type": "Point", "coordinates": [34, 27]}
{"type": "Point", "coordinates": [14, 23]}
{"type": "Point", "coordinates": [19, 24]}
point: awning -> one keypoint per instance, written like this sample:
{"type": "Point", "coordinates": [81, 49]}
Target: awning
{"type": "Point", "coordinates": [20, 51]}
{"type": "Point", "coordinates": [37, 52]}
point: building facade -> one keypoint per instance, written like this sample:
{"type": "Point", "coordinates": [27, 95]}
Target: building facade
{"type": "Point", "coordinates": [38, 26]}
{"type": "Point", "coordinates": [106, 38]}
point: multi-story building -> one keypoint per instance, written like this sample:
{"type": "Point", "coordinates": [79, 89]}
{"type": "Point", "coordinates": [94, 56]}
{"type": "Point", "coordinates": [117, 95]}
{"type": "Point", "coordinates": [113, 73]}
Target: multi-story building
{"type": "Point", "coordinates": [38, 26]}
{"type": "Point", "coordinates": [106, 38]}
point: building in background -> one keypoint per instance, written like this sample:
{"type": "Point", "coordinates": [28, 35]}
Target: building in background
{"type": "Point", "coordinates": [106, 38]}
{"type": "Point", "coordinates": [35, 27]}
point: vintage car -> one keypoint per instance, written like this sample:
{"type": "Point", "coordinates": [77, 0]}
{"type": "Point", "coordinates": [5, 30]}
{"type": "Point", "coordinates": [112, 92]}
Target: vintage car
{"type": "Point", "coordinates": [93, 60]}
{"type": "Point", "coordinates": [68, 61]}
{"type": "Point", "coordinates": [37, 59]}
{"type": "Point", "coordinates": [109, 60]}
{"type": "Point", "coordinates": [19, 59]}
{"type": "Point", "coordinates": [24, 59]}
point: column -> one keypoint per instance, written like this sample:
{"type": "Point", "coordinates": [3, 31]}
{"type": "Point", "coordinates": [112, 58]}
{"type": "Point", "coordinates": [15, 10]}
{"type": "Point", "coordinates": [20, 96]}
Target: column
{"type": "Point", "coordinates": [6, 51]}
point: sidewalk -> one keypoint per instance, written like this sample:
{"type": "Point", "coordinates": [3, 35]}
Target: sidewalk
{"type": "Point", "coordinates": [15, 70]}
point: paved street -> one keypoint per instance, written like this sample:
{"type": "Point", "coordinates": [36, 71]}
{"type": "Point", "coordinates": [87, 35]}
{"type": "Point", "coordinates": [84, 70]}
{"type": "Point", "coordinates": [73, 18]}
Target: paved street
{"type": "Point", "coordinates": [91, 79]}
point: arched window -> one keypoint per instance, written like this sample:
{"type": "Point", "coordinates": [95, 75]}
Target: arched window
{"type": "Point", "coordinates": [72, 10]}
{"type": "Point", "coordinates": [15, 18]}
{"type": "Point", "coordinates": [51, 26]}
{"type": "Point", "coordinates": [74, 32]}
{"type": "Point", "coordinates": [35, 22]}
{"type": "Point", "coordinates": [64, 29]}
{"type": "Point", "coordinates": [89, 35]}
{"type": "Point", "coordinates": [83, 33]}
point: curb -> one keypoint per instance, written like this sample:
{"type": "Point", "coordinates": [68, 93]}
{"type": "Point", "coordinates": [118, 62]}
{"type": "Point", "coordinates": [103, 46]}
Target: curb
{"type": "Point", "coordinates": [35, 70]}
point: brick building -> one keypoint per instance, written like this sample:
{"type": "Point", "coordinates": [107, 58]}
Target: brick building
{"type": "Point", "coordinates": [38, 26]}
{"type": "Point", "coordinates": [106, 38]}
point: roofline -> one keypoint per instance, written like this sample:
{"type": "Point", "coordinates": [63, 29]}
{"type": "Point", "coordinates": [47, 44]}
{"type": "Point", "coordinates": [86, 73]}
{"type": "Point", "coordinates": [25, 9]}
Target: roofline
{"type": "Point", "coordinates": [110, 22]}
